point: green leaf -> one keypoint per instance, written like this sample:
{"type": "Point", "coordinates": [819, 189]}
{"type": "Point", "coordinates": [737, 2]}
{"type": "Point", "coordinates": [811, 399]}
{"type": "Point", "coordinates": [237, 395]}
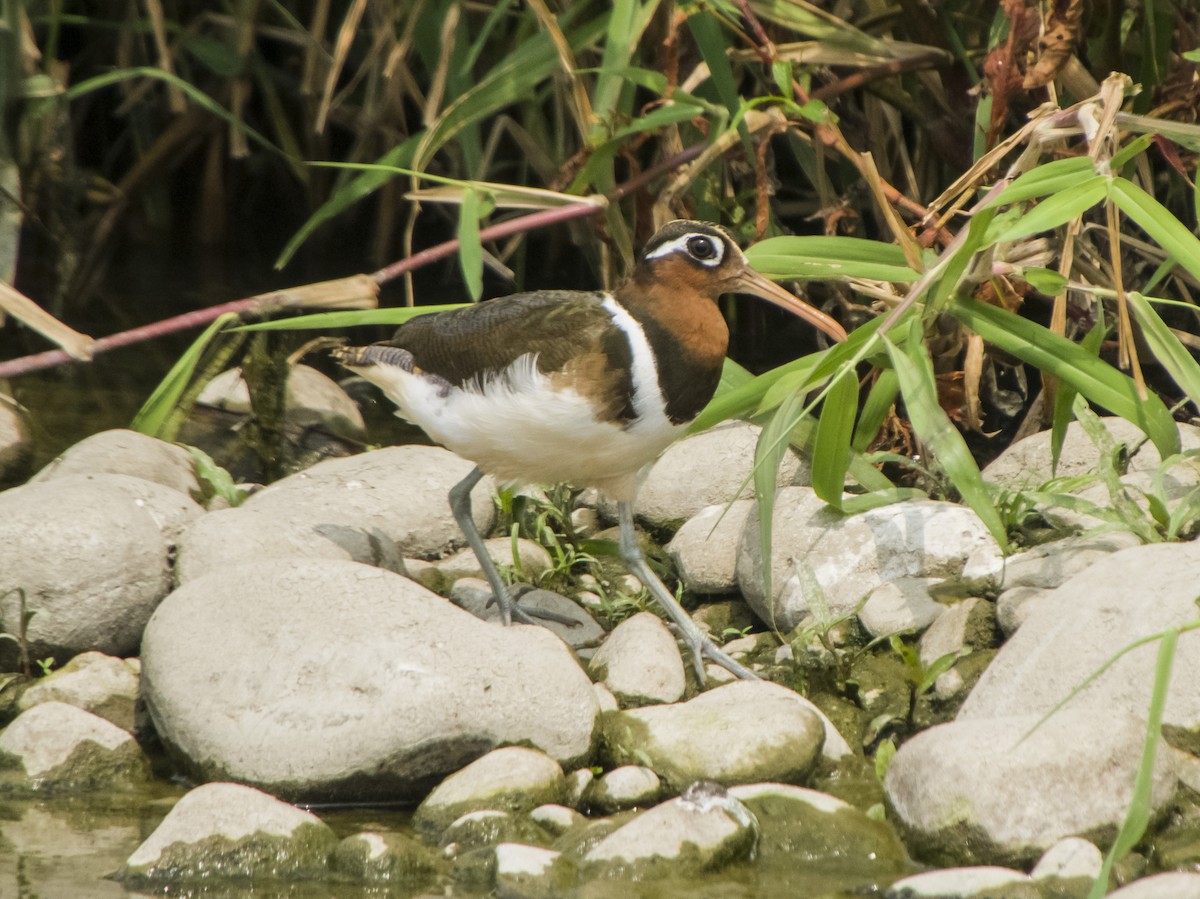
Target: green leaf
{"type": "Point", "coordinates": [1166, 348]}
{"type": "Point", "coordinates": [470, 250]}
{"type": "Point", "coordinates": [1056, 210]}
{"type": "Point", "coordinates": [1045, 280]}
{"type": "Point", "coordinates": [1096, 380]}
{"type": "Point", "coordinates": [1157, 221]}
{"type": "Point", "coordinates": [826, 258]}
{"type": "Point", "coordinates": [1064, 396]}
{"type": "Point", "coordinates": [831, 448]}
{"type": "Point", "coordinates": [1048, 178]}
{"type": "Point", "coordinates": [162, 402]}
{"type": "Point", "coordinates": [914, 369]}
{"type": "Point", "coordinates": [876, 408]}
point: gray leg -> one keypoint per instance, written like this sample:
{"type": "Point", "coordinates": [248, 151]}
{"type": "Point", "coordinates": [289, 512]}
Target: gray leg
{"type": "Point", "coordinates": [702, 648]}
{"type": "Point", "coordinates": [460, 505]}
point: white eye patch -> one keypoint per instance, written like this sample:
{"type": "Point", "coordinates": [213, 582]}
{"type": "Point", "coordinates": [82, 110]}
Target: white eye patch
{"type": "Point", "coordinates": [699, 246]}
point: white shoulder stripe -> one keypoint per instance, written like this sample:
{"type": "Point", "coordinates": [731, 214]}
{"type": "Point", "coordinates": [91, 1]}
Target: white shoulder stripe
{"type": "Point", "coordinates": [648, 400]}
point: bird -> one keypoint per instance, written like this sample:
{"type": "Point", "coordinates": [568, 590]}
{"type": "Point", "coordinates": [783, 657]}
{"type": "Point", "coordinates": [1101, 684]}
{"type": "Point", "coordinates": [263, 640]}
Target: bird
{"type": "Point", "coordinates": [585, 388]}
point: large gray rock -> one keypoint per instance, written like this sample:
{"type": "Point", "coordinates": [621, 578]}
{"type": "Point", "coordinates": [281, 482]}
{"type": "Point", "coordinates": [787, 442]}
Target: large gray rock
{"type": "Point", "coordinates": [335, 680]}
{"type": "Point", "coordinates": [130, 453]}
{"type": "Point", "coordinates": [1070, 634]}
{"type": "Point", "coordinates": [743, 732]}
{"type": "Point", "coordinates": [710, 468]}
{"type": "Point", "coordinates": [640, 662]}
{"type": "Point", "coordinates": [92, 555]}
{"type": "Point", "coordinates": [94, 682]}
{"type": "Point", "coordinates": [1168, 885]}
{"type": "Point", "coordinates": [374, 508]}
{"type": "Point", "coordinates": [984, 882]}
{"type": "Point", "coordinates": [55, 747]}
{"type": "Point", "coordinates": [228, 831]}
{"type": "Point", "coordinates": [998, 791]}
{"type": "Point", "coordinates": [705, 550]}
{"type": "Point", "coordinates": [846, 557]}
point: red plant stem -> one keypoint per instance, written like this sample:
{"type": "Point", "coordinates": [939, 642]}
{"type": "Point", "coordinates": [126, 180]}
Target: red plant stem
{"type": "Point", "coordinates": [50, 358]}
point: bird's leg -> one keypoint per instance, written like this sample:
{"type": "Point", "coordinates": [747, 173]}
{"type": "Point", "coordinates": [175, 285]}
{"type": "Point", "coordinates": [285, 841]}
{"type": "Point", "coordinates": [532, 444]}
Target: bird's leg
{"type": "Point", "coordinates": [460, 505]}
{"type": "Point", "coordinates": [702, 648]}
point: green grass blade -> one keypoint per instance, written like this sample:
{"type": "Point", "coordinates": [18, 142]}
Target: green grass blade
{"type": "Point", "coordinates": [162, 402]}
{"type": "Point", "coordinates": [470, 250]}
{"type": "Point", "coordinates": [321, 321]}
{"type": "Point", "coordinates": [1096, 380]}
{"type": "Point", "coordinates": [351, 192]}
{"type": "Point", "coordinates": [831, 448]}
{"type": "Point", "coordinates": [773, 442]}
{"type": "Point", "coordinates": [1064, 397]}
{"type": "Point", "coordinates": [1133, 828]}
{"type": "Point", "coordinates": [914, 370]}
{"type": "Point", "coordinates": [706, 31]}
{"type": "Point", "coordinates": [879, 402]}
{"type": "Point", "coordinates": [625, 26]}
{"type": "Point", "coordinates": [827, 258]}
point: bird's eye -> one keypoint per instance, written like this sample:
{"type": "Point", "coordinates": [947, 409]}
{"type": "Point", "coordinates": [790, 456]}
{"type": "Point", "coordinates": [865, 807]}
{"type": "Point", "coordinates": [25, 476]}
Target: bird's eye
{"type": "Point", "coordinates": [702, 248]}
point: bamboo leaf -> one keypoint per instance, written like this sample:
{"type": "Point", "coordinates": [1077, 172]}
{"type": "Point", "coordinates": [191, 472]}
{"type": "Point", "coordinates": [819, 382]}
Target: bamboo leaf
{"type": "Point", "coordinates": [1096, 380]}
{"type": "Point", "coordinates": [470, 250]}
{"type": "Point", "coordinates": [322, 321]}
{"type": "Point", "coordinates": [825, 258]}
{"type": "Point", "coordinates": [1064, 397]}
{"type": "Point", "coordinates": [1055, 210]}
{"type": "Point", "coordinates": [1166, 347]}
{"type": "Point", "coordinates": [1157, 221]}
{"type": "Point", "coordinates": [879, 402]}
{"type": "Point", "coordinates": [831, 448]}
{"type": "Point", "coordinates": [1044, 180]}
{"type": "Point", "coordinates": [162, 402]}
{"type": "Point", "coordinates": [914, 370]}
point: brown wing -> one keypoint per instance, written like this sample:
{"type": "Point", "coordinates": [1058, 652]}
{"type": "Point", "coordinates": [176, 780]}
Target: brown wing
{"type": "Point", "coordinates": [570, 332]}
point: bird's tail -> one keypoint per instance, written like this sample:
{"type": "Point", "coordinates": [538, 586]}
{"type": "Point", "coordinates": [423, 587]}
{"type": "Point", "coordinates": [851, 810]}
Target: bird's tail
{"type": "Point", "coordinates": [376, 354]}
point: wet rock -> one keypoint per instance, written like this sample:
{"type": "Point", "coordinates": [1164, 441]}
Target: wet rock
{"type": "Point", "coordinates": [965, 883]}
{"type": "Point", "coordinates": [373, 508]}
{"type": "Point", "coordinates": [92, 555]}
{"type": "Point", "coordinates": [849, 556]}
{"type": "Point", "coordinates": [571, 624]}
{"type": "Point", "coordinates": [510, 779]}
{"type": "Point", "coordinates": [129, 453]}
{"type": "Point", "coordinates": [385, 858]}
{"type": "Point", "coordinates": [223, 831]}
{"type": "Point", "coordinates": [630, 786]}
{"type": "Point", "coordinates": [94, 682]}
{"type": "Point", "coordinates": [963, 627]}
{"type": "Point", "coordinates": [577, 783]}
{"type": "Point", "coordinates": [900, 606]}
{"type": "Point", "coordinates": [1069, 866]}
{"type": "Point", "coordinates": [998, 791]}
{"type": "Point", "coordinates": [333, 680]}
{"type": "Point", "coordinates": [801, 827]}
{"type": "Point", "coordinates": [742, 732]}
{"type": "Point", "coordinates": [487, 827]}
{"type": "Point", "coordinates": [16, 446]}
{"type": "Point", "coordinates": [707, 469]}
{"type": "Point", "coordinates": [702, 830]}
{"type": "Point", "coordinates": [1169, 885]}
{"type": "Point", "coordinates": [640, 662]}
{"type": "Point", "coordinates": [704, 550]}
{"type": "Point", "coordinates": [1087, 622]}
{"type": "Point", "coordinates": [556, 819]}
{"type": "Point", "coordinates": [58, 747]}
{"type": "Point", "coordinates": [525, 872]}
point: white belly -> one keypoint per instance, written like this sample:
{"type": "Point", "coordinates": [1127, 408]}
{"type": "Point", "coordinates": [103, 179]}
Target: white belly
{"type": "Point", "coordinates": [518, 429]}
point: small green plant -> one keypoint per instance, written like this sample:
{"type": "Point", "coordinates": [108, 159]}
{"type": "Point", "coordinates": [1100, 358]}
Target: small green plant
{"type": "Point", "coordinates": [215, 481]}
{"type": "Point", "coordinates": [919, 676]}
{"type": "Point", "coordinates": [46, 665]}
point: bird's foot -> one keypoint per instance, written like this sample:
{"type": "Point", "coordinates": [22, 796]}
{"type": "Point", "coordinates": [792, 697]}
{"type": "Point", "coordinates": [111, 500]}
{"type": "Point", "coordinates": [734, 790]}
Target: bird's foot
{"type": "Point", "coordinates": [703, 648]}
